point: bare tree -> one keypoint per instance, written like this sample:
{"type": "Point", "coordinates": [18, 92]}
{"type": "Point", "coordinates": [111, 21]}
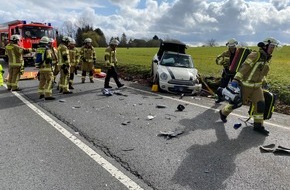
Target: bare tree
{"type": "Point", "coordinates": [211, 43]}
{"type": "Point", "coordinates": [69, 28]}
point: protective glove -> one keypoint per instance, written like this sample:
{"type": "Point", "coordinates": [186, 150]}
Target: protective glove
{"type": "Point", "coordinates": [2, 72]}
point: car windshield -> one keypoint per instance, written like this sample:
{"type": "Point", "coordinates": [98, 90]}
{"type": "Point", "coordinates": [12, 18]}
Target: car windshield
{"type": "Point", "coordinates": [177, 60]}
{"type": "Point", "coordinates": [37, 32]}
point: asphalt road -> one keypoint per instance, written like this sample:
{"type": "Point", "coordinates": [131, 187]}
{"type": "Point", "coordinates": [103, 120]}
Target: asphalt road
{"type": "Point", "coordinates": [208, 155]}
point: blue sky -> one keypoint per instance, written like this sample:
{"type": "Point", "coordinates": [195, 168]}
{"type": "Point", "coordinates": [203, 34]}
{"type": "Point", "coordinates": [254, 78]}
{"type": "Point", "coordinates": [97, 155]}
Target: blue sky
{"type": "Point", "coordinates": [193, 22]}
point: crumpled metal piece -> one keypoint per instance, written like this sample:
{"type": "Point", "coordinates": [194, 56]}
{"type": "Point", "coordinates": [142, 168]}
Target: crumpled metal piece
{"type": "Point", "coordinates": [170, 134]}
{"type": "Point", "coordinates": [272, 148]}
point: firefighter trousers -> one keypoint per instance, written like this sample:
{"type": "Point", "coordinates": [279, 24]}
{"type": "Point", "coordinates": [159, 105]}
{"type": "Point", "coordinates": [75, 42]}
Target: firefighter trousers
{"type": "Point", "coordinates": [45, 83]}
{"type": "Point", "coordinates": [256, 97]}
{"type": "Point", "coordinates": [13, 79]}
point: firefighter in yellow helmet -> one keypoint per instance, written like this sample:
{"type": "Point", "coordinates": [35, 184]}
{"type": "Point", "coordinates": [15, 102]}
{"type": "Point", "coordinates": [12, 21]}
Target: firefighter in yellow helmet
{"type": "Point", "coordinates": [43, 59]}
{"type": "Point", "coordinates": [88, 58]}
{"type": "Point", "coordinates": [111, 62]}
{"type": "Point", "coordinates": [250, 78]}
{"type": "Point", "coordinates": [64, 64]}
{"type": "Point", "coordinates": [16, 62]}
{"type": "Point", "coordinates": [74, 60]}
{"type": "Point", "coordinates": [225, 59]}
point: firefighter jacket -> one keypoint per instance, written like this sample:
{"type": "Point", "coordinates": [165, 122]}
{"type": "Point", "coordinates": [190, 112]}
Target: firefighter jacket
{"type": "Point", "coordinates": [88, 54]}
{"type": "Point", "coordinates": [225, 59]}
{"type": "Point", "coordinates": [74, 56]}
{"type": "Point", "coordinates": [46, 64]}
{"type": "Point", "coordinates": [15, 55]}
{"type": "Point", "coordinates": [254, 70]}
{"type": "Point", "coordinates": [110, 57]}
{"type": "Point", "coordinates": [63, 55]}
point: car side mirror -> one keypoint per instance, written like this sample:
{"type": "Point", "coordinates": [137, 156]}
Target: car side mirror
{"type": "Point", "coordinates": [155, 61]}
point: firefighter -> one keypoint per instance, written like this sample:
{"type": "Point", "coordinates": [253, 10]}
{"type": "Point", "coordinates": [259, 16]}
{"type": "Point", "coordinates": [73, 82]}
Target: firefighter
{"type": "Point", "coordinates": [64, 64]}
{"type": "Point", "coordinates": [16, 62]}
{"type": "Point", "coordinates": [74, 60]}
{"type": "Point", "coordinates": [88, 58]}
{"type": "Point", "coordinates": [54, 60]}
{"type": "Point", "coordinates": [1, 75]}
{"type": "Point", "coordinates": [111, 62]}
{"type": "Point", "coordinates": [44, 59]}
{"type": "Point", "coordinates": [225, 59]}
{"type": "Point", "coordinates": [250, 78]}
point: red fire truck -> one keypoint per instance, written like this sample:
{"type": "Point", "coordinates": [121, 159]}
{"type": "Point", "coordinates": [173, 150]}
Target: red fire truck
{"type": "Point", "coordinates": [30, 33]}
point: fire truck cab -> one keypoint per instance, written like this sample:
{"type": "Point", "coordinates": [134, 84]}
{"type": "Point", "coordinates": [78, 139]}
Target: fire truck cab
{"type": "Point", "coordinates": [30, 33]}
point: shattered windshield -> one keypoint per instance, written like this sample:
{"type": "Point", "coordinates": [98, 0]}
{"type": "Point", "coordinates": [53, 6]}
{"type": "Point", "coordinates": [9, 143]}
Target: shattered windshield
{"type": "Point", "coordinates": [177, 60]}
{"type": "Point", "coordinates": [37, 32]}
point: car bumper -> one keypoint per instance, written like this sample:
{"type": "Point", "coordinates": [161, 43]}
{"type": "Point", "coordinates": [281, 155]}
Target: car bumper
{"type": "Point", "coordinates": [180, 88]}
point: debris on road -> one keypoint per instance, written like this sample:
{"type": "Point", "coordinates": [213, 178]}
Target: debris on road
{"type": "Point", "coordinates": [271, 148]}
{"type": "Point", "coordinates": [170, 134]}
{"type": "Point", "coordinates": [126, 122]}
{"type": "Point", "coordinates": [62, 100]}
{"type": "Point", "coordinates": [150, 117]}
{"type": "Point", "coordinates": [107, 92]}
{"type": "Point", "coordinates": [161, 106]}
{"type": "Point", "coordinates": [74, 107]}
{"type": "Point", "coordinates": [180, 107]}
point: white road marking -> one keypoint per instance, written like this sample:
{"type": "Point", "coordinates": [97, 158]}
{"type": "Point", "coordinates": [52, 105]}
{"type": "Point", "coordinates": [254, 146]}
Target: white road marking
{"type": "Point", "coordinates": [89, 151]}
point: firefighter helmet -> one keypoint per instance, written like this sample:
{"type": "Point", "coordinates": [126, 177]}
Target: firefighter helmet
{"type": "Point", "coordinates": [88, 40]}
{"type": "Point", "coordinates": [271, 41]}
{"type": "Point", "coordinates": [65, 39]}
{"type": "Point", "coordinates": [114, 42]}
{"type": "Point", "coordinates": [72, 41]}
{"type": "Point", "coordinates": [232, 42]}
{"type": "Point", "coordinates": [44, 40]}
{"type": "Point", "coordinates": [15, 37]}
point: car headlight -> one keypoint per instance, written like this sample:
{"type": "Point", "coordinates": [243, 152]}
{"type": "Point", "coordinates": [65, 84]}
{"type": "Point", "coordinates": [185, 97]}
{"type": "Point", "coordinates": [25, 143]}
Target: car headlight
{"type": "Point", "coordinates": [163, 76]}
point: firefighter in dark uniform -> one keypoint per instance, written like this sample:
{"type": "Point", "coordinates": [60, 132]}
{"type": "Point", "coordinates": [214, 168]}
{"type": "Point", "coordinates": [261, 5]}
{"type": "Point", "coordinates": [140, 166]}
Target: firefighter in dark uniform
{"type": "Point", "coordinates": [88, 58]}
{"type": "Point", "coordinates": [111, 62]}
{"type": "Point", "coordinates": [64, 64]}
{"type": "Point", "coordinates": [16, 62]}
{"type": "Point", "coordinates": [45, 69]}
{"type": "Point", "coordinates": [250, 78]}
{"type": "Point", "coordinates": [225, 59]}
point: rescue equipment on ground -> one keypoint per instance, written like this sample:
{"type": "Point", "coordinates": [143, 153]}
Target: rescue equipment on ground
{"type": "Point", "coordinates": [240, 56]}
{"type": "Point", "coordinates": [270, 100]}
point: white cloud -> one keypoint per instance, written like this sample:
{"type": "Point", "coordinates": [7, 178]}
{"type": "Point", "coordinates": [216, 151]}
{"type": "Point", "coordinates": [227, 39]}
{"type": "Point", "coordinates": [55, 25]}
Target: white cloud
{"type": "Point", "coordinates": [191, 21]}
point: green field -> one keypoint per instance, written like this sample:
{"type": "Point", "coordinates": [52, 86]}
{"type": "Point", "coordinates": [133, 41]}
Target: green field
{"type": "Point", "coordinates": [137, 61]}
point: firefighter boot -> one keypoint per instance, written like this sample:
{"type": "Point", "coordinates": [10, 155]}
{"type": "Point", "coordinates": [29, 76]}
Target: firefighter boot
{"type": "Point", "coordinates": [223, 117]}
{"type": "Point", "coordinates": [91, 81]}
{"type": "Point", "coordinates": [70, 86]}
{"type": "Point", "coordinates": [260, 129]}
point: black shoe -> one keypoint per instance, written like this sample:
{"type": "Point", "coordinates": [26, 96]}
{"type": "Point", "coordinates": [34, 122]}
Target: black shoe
{"type": "Point", "coordinates": [91, 81]}
{"type": "Point", "coordinates": [57, 88]}
{"type": "Point", "coordinates": [83, 81]}
{"type": "Point", "coordinates": [121, 85]}
{"type": "Point", "coordinates": [41, 96]}
{"type": "Point", "coordinates": [108, 87]}
{"type": "Point", "coordinates": [49, 98]}
{"type": "Point", "coordinates": [260, 129]}
{"type": "Point", "coordinates": [8, 89]}
{"type": "Point", "coordinates": [71, 87]}
{"type": "Point", "coordinates": [68, 92]}
{"type": "Point", "coordinates": [223, 117]}
{"type": "Point", "coordinates": [60, 91]}
{"type": "Point", "coordinates": [17, 89]}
